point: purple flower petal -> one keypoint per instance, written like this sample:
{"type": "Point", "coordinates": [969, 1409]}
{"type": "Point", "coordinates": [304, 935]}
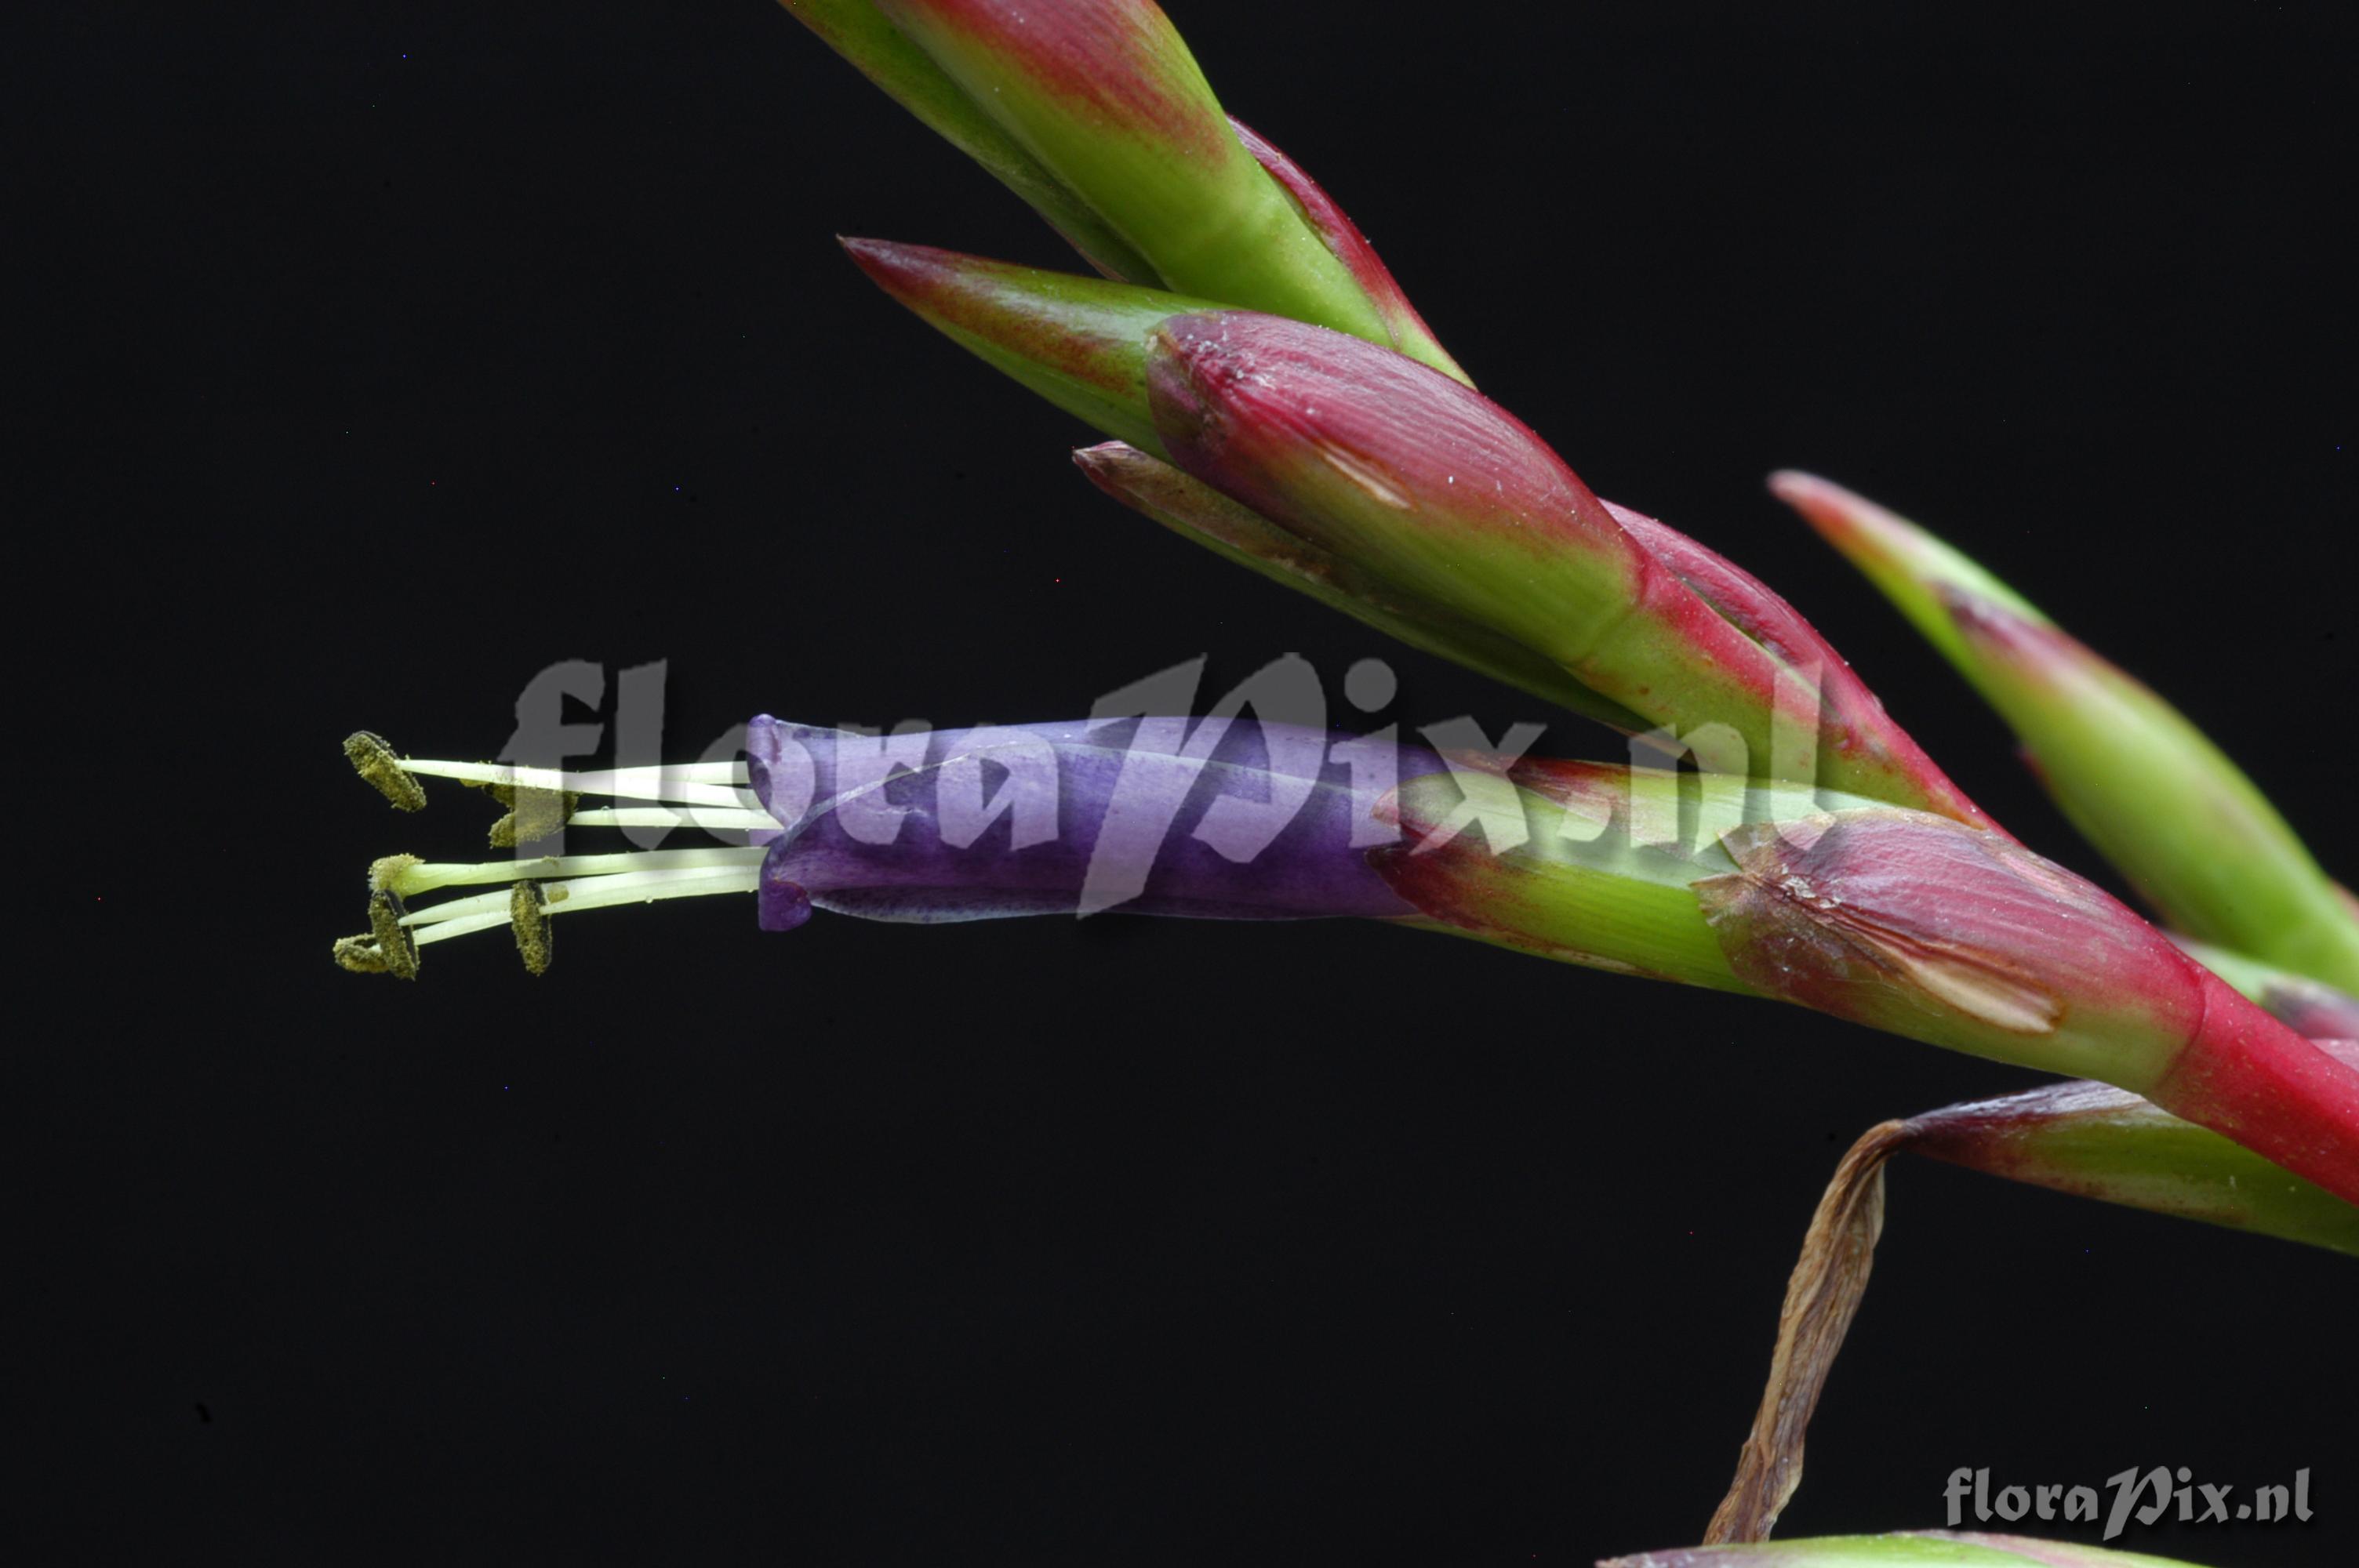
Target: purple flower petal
{"type": "Point", "coordinates": [1234, 819]}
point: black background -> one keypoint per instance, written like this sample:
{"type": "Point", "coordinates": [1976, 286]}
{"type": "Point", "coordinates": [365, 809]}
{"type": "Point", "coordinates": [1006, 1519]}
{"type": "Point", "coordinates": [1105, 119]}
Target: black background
{"type": "Point", "coordinates": [381, 355]}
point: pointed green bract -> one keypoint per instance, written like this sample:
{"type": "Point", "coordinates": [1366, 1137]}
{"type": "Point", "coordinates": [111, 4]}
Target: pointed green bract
{"type": "Point", "coordinates": [1856, 721]}
{"type": "Point", "coordinates": [1081, 343]}
{"type": "Point", "coordinates": [1122, 63]}
{"type": "Point", "coordinates": [1108, 99]}
{"type": "Point", "coordinates": [1913, 1548]}
{"type": "Point", "coordinates": [2165, 806]}
{"type": "Point", "coordinates": [858, 31]}
{"type": "Point", "coordinates": [1409, 334]}
{"type": "Point", "coordinates": [2101, 1142]}
{"type": "Point", "coordinates": [1196, 511]}
{"type": "Point", "coordinates": [1909, 565]}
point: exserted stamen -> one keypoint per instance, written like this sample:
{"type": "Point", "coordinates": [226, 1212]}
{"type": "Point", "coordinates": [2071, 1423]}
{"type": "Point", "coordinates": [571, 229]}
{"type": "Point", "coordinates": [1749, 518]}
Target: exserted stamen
{"type": "Point", "coordinates": [533, 813]}
{"type": "Point", "coordinates": [359, 955]}
{"type": "Point", "coordinates": [593, 881]}
{"type": "Point", "coordinates": [410, 876]}
{"type": "Point", "coordinates": [483, 911]}
{"type": "Point", "coordinates": [394, 942]}
{"type": "Point", "coordinates": [711, 819]}
{"type": "Point", "coordinates": [690, 783]}
{"type": "Point", "coordinates": [712, 795]}
{"type": "Point", "coordinates": [373, 760]}
{"type": "Point", "coordinates": [388, 948]}
{"type": "Point", "coordinates": [527, 903]}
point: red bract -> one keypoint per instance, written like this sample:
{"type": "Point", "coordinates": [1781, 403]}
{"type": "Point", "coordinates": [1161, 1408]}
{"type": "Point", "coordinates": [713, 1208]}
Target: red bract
{"type": "Point", "coordinates": [1424, 482]}
{"type": "Point", "coordinates": [1906, 923]}
{"type": "Point", "coordinates": [1858, 726]}
{"type": "Point", "coordinates": [1410, 335]}
{"type": "Point", "coordinates": [1116, 63]}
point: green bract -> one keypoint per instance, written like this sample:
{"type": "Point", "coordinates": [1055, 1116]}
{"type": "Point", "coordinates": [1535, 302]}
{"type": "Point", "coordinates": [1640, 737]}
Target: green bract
{"type": "Point", "coordinates": [1915, 1549]}
{"type": "Point", "coordinates": [1236, 532]}
{"type": "Point", "coordinates": [2162, 803]}
{"type": "Point", "coordinates": [1100, 118]}
{"type": "Point", "coordinates": [2105, 1143]}
{"type": "Point", "coordinates": [858, 31]}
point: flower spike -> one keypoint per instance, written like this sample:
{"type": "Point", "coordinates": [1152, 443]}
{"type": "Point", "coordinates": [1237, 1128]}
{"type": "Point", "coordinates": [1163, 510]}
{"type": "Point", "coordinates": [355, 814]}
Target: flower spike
{"type": "Point", "coordinates": [1899, 919]}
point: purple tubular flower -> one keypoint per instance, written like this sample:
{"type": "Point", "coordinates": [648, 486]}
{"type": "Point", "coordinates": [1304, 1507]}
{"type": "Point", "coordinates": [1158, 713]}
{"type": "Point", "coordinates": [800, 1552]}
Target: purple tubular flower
{"type": "Point", "coordinates": [1215, 818]}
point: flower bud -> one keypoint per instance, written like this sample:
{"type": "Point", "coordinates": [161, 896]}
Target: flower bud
{"type": "Point", "coordinates": [1421, 482]}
